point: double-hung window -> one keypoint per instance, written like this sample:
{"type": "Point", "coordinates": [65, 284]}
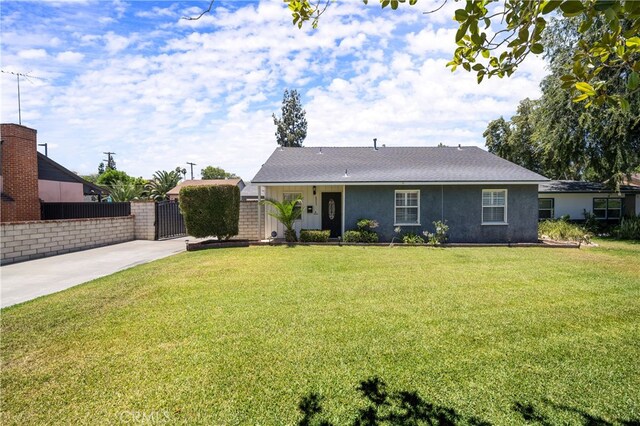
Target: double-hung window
{"type": "Point", "coordinates": [545, 208]}
{"type": "Point", "coordinates": [607, 208]}
{"type": "Point", "coordinates": [287, 197]}
{"type": "Point", "coordinates": [494, 206]}
{"type": "Point", "coordinates": [407, 207]}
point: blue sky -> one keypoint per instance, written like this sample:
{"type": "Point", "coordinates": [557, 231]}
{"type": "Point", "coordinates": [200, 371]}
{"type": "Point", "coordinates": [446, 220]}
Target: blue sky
{"type": "Point", "coordinates": [133, 78]}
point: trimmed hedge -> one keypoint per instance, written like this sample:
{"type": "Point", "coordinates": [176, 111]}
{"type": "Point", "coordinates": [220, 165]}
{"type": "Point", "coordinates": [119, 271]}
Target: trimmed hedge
{"type": "Point", "coordinates": [314, 236]}
{"type": "Point", "coordinates": [360, 237]}
{"type": "Point", "coordinates": [211, 210]}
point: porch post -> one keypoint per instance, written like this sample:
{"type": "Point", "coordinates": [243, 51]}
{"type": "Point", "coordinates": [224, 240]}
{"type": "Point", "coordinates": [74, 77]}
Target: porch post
{"type": "Point", "coordinates": [260, 237]}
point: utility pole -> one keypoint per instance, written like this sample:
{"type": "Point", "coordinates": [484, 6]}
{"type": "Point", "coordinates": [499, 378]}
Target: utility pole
{"type": "Point", "coordinates": [191, 164]}
{"type": "Point", "coordinates": [27, 76]}
{"type": "Point", "coordinates": [108, 160]}
{"type": "Point", "coordinates": [46, 150]}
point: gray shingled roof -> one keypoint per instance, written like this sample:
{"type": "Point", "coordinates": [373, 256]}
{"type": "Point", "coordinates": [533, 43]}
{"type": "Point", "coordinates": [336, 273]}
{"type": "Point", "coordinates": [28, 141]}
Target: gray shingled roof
{"type": "Point", "coordinates": [389, 164]}
{"type": "Point", "coordinates": [557, 186]}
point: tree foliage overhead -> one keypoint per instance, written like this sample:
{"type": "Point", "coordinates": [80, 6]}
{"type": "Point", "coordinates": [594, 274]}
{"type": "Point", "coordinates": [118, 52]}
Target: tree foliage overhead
{"type": "Point", "coordinates": [559, 138]}
{"type": "Point", "coordinates": [291, 127]}
{"type": "Point", "coordinates": [211, 172]}
{"type": "Point", "coordinates": [495, 36]}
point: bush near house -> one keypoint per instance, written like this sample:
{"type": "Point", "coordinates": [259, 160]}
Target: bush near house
{"type": "Point", "coordinates": [629, 228]}
{"type": "Point", "coordinates": [364, 234]}
{"type": "Point", "coordinates": [563, 230]}
{"type": "Point", "coordinates": [314, 236]}
{"type": "Point", "coordinates": [211, 210]}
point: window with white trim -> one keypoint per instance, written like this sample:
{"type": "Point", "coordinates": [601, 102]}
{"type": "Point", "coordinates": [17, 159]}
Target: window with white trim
{"type": "Point", "coordinates": [407, 207]}
{"type": "Point", "coordinates": [545, 208]}
{"type": "Point", "coordinates": [290, 196]}
{"type": "Point", "coordinates": [607, 208]}
{"type": "Point", "coordinates": [494, 206]}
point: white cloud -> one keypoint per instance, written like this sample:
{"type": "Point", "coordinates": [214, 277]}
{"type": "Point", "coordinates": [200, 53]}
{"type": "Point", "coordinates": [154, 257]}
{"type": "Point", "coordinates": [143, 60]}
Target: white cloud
{"type": "Point", "coordinates": [69, 57]}
{"type": "Point", "coordinates": [115, 43]}
{"type": "Point", "coordinates": [33, 54]}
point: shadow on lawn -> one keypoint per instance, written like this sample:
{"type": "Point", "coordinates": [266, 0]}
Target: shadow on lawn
{"type": "Point", "coordinates": [532, 415]}
{"type": "Point", "coordinates": [387, 408]}
{"type": "Point", "coordinates": [408, 408]}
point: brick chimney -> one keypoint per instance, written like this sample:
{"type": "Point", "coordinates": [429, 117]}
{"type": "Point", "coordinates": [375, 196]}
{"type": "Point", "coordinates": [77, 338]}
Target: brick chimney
{"type": "Point", "coordinates": [19, 157]}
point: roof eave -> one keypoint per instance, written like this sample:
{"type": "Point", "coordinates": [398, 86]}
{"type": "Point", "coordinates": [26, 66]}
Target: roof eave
{"type": "Point", "coordinates": [424, 183]}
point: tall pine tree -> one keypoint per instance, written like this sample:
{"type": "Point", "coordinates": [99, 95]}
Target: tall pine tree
{"type": "Point", "coordinates": [291, 127]}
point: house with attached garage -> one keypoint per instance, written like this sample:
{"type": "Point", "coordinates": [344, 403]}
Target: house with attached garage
{"type": "Point", "coordinates": [572, 198]}
{"type": "Point", "coordinates": [482, 197]}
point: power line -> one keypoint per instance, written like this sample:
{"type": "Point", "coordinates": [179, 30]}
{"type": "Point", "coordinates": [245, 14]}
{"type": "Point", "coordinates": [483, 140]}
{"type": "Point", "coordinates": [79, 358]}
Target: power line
{"type": "Point", "coordinates": [18, 75]}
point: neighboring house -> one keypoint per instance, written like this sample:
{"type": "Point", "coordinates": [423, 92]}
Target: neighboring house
{"type": "Point", "coordinates": [250, 192]}
{"type": "Point", "coordinates": [28, 177]}
{"type": "Point", "coordinates": [482, 197]}
{"type": "Point", "coordinates": [174, 194]}
{"type": "Point", "coordinates": [58, 184]}
{"type": "Point", "coordinates": [567, 197]}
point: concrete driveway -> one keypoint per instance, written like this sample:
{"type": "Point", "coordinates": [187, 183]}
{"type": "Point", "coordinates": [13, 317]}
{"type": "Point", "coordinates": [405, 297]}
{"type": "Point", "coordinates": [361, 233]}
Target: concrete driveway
{"type": "Point", "coordinates": [24, 281]}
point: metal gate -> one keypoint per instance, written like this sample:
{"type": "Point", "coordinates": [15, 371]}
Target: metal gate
{"type": "Point", "coordinates": [169, 221]}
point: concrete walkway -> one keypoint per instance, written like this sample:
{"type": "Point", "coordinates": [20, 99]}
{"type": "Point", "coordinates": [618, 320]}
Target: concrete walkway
{"type": "Point", "coordinates": [24, 281]}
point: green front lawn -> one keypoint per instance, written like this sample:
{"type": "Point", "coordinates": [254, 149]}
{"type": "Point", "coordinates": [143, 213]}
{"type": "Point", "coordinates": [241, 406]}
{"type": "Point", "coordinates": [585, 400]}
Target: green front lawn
{"type": "Point", "coordinates": [240, 336]}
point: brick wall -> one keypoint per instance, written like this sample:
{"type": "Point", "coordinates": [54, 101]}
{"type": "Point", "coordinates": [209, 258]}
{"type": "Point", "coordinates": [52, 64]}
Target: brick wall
{"type": "Point", "coordinates": [19, 173]}
{"type": "Point", "coordinates": [248, 225]}
{"type": "Point", "coordinates": [31, 240]}
{"type": "Point", "coordinates": [145, 217]}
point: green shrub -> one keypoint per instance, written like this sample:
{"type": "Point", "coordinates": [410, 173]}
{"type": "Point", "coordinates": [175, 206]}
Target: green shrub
{"type": "Point", "coordinates": [562, 230]}
{"type": "Point", "coordinates": [411, 238]}
{"type": "Point", "coordinates": [211, 210]}
{"type": "Point", "coordinates": [360, 237]}
{"type": "Point", "coordinates": [366, 224]}
{"type": "Point", "coordinates": [629, 228]}
{"type": "Point", "coordinates": [352, 237]}
{"type": "Point", "coordinates": [368, 237]}
{"type": "Point", "coordinates": [314, 236]}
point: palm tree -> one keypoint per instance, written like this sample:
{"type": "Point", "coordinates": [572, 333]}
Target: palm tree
{"type": "Point", "coordinates": [122, 190]}
{"type": "Point", "coordinates": [162, 183]}
{"type": "Point", "coordinates": [286, 212]}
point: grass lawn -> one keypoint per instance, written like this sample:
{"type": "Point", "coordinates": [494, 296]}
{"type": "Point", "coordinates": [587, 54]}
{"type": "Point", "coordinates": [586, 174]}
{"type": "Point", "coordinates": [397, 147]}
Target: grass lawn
{"type": "Point", "coordinates": [240, 336]}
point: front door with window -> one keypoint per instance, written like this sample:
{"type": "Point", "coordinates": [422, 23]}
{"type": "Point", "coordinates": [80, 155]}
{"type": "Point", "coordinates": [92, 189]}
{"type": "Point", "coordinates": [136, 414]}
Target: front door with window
{"type": "Point", "coordinates": [332, 213]}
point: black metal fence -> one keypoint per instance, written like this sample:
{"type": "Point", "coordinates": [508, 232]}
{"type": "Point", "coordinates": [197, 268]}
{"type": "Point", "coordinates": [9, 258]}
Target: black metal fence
{"type": "Point", "coordinates": [51, 211]}
{"type": "Point", "coordinates": [169, 220]}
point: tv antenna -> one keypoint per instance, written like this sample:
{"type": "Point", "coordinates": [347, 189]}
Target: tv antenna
{"type": "Point", "coordinates": [27, 77]}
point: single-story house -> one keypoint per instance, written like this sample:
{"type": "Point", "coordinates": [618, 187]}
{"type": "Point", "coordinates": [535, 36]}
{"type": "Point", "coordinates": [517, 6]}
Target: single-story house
{"type": "Point", "coordinates": [174, 194]}
{"type": "Point", "coordinates": [482, 197]}
{"type": "Point", "coordinates": [58, 184]}
{"type": "Point", "coordinates": [559, 198]}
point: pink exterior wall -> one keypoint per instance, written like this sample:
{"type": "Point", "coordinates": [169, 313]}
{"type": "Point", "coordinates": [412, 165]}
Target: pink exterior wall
{"type": "Point", "coordinates": [51, 191]}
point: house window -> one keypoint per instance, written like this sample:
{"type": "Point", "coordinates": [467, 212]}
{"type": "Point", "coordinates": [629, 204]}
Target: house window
{"type": "Point", "coordinates": [407, 208]}
{"type": "Point", "coordinates": [545, 208]}
{"type": "Point", "coordinates": [290, 196]}
{"type": "Point", "coordinates": [607, 208]}
{"type": "Point", "coordinates": [494, 206]}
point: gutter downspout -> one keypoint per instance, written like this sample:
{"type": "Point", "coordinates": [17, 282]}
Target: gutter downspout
{"type": "Point", "coordinates": [260, 237]}
{"type": "Point", "coordinates": [442, 203]}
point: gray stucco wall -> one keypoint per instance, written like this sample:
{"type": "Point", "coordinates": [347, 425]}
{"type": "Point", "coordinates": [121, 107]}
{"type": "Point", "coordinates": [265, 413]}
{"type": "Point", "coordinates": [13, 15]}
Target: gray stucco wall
{"type": "Point", "coordinates": [460, 206]}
